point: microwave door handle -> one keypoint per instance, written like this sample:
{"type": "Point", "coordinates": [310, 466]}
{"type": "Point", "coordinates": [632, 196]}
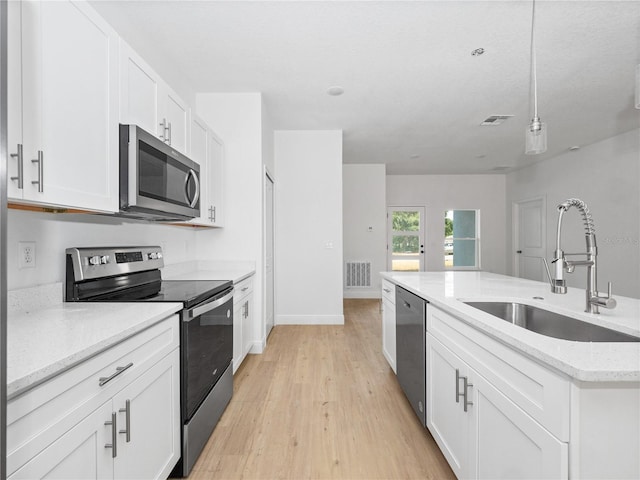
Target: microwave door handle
{"type": "Point", "coordinates": [196, 196]}
{"type": "Point", "coordinates": [207, 307]}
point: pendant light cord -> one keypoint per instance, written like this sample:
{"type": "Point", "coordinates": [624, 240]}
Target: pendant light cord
{"type": "Point", "coordinates": [534, 81]}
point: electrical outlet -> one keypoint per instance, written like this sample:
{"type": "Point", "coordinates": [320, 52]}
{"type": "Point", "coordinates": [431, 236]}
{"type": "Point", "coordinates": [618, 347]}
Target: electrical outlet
{"type": "Point", "coordinates": [26, 254]}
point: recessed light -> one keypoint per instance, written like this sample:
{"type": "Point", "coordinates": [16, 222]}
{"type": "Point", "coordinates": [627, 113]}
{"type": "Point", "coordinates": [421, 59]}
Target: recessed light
{"type": "Point", "coordinates": [574, 148]}
{"type": "Point", "coordinates": [335, 91]}
{"type": "Point", "coordinates": [477, 52]}
{"type": "Point", "coordinates": [495, 120]}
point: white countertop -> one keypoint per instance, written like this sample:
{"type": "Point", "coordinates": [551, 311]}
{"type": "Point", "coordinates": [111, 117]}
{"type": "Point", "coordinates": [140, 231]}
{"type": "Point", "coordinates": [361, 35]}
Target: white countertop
{"type": "Point", "coordinates": [585, 361]}
{"type": "Point", "coordinates": [44, 342]}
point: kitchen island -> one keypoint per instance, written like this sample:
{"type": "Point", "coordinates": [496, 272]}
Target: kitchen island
{"type": "Point", "coordinates": [503, 401]}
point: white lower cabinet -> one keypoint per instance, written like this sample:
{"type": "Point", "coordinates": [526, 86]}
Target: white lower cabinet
{"type": "Point", "coordinates": [481, 432]}
{"type": "Point", "coordinates": [78, 425]}
{"type": "Point", "coordinates": [389, 323]}
{"type": "Point", "coordinates": [483, 427]}
{"type": "Point", "coordinates": [242, 320]}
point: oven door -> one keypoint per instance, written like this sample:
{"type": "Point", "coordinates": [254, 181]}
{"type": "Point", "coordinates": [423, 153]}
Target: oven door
{"type": "Point", "coordinates": [206, 348]}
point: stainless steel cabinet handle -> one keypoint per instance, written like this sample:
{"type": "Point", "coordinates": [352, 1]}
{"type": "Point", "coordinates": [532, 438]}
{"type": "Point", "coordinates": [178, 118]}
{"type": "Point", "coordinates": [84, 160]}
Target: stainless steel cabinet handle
{"type": "Point", "coordinates": [214, 215]}
{"type": "Point", "coordinates": [103, 380]}
{"type": "Point", "coordinates": [244, 289]}
{"type": "Point", "coordinates": [40, 162]}
{"type": "Point", "coordinates": [169, 136]}
{"type": "Point", "coordinates": [163, 132]}
{"type": "Point", "coordinates": [127, 420]}
{"type": "Point", "coordinates": [386, 290]}
{"type": "Point", "coordinates": [114, 436]}
{"type": "Point", "coordinates": [20, 176]}
{"type": "Point", "coordinates": [457, 386]}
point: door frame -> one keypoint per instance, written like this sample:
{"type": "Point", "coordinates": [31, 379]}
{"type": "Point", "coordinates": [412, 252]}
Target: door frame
{"type": "Point", "coordinates": [421, 235]}
{"type": "Point", "coordinates": [515, 229]}
{"type": "Point", "coordinates": [268, 176]}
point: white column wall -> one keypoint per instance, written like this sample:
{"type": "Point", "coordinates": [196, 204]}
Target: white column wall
{"type": "Point", "coordinates": [308, 252]}
{"type": "Point", "coordinates": [364, 223]}
{"type": "Point", "coordinates": [237, 119]}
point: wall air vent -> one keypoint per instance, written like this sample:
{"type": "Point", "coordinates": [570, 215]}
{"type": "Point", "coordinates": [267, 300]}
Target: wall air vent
{"type": "Point", "coordinates": [357, 274]}
{"type": "Point", "coordinates": [495, 120]}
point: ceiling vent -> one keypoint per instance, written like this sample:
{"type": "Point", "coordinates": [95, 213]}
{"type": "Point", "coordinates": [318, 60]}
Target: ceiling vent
{"type": "Point", "coordinates": [494, 120]}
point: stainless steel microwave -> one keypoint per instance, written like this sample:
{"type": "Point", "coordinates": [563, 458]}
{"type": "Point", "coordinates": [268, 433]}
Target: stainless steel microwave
{"type": "Point", "coordinates": [156, 182]}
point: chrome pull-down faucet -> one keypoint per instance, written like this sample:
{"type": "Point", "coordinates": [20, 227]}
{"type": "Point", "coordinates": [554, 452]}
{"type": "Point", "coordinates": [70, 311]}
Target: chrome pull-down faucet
{"type": "Point", "coordinates": [558, 284]}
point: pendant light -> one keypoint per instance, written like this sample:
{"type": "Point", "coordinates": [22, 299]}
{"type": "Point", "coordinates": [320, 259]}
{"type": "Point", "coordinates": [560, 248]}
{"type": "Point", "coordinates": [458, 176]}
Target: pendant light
{"type": "Point", "coordinates": [536, 135]}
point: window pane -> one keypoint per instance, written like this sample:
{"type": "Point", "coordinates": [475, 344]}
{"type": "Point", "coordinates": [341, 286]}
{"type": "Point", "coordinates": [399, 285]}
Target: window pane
{"type": "Point", "coordinates": [464, 253]}
{"type": "Point", "coordinates": [406, 221]}
{"type": "Point", "coordinates": [464, 224]}
{"type": "Point", "coordinates": [406, 244]}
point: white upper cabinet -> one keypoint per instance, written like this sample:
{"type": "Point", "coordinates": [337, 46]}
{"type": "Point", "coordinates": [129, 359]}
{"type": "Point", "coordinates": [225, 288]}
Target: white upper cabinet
{"type": "Point", "coordinates": [208, 151]}
{"type": "Point", "coordinates": [147, 101]}
{"type": "Point", "coordinates": [63, 112]}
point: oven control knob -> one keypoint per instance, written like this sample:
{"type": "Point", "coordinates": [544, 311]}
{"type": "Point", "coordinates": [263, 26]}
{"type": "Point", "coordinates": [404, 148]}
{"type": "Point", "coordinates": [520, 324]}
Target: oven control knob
{"type": "Point", "coordinates": [95, 260]}
{"type": "Point", "coordinates": [159, 254]}
{"type": "Point", "coordinates": [104, 259]}
{"type": "Point", "coordinates": [153, 256]}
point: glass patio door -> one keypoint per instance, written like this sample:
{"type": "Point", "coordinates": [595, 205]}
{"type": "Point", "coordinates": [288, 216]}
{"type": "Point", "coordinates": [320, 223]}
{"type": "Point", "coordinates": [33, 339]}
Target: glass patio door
{"type": "Point", "coordinates": [405, 239]}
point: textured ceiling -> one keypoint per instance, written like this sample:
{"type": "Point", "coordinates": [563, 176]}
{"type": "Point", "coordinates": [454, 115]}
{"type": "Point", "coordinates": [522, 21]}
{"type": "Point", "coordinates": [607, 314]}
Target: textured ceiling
{"type": "Point", "coordinates": [412, 87]}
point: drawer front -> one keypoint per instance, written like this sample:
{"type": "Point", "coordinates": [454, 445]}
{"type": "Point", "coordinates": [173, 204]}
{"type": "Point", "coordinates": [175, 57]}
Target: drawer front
{"type": "Point", "coordinates": [42, 414]}
{"type": "Point", "coordinates": [540, 392]}
{"type": "Point", "coordinates": [389, 291]}
{"type": "Point", "coordinates": [242, 289]}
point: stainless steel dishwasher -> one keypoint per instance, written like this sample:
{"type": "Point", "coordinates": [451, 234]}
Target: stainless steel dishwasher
{"type": "Point", "coordinates": [410, 349]}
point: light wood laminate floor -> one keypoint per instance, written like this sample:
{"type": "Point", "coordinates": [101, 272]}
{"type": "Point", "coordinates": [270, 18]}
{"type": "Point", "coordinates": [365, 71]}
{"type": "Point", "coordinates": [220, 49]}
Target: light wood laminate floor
{"type": "Point", "coordinates": [321, 402]}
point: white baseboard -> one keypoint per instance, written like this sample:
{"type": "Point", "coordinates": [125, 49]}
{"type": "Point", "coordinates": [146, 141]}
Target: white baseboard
{"type": "Point", "coordinates": [310, 320]}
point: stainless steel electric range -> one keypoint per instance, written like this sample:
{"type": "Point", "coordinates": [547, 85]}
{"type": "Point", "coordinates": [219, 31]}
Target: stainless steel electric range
{"type": "Point", "coordinates": [132, 274]}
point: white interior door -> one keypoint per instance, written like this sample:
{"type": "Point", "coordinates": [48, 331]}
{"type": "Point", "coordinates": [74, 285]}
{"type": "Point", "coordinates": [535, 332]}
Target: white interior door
{"type": "Point", "coordinates": [268, 254]}
{"type": "Point", "coordinates": [405, 239]}
{"type": "Point", "coordinates": [529, 225]}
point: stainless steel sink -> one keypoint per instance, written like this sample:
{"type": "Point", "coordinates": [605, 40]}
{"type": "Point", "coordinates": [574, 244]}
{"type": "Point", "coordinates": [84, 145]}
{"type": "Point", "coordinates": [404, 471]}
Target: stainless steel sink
{"type": "Point", "coordinates": [551, 324]}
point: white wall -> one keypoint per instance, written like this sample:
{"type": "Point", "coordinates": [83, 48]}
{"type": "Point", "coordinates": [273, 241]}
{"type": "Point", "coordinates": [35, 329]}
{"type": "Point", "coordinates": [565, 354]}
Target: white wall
{"type": "Point", "coordinates": [439, 193]}
{"type": "Point", "coordinates": [53, 233]}
{"type": "Point", "coordinates": [605, 175]}
{"type": "Point", "coordinates": [238, 119]}
{"type": "Point", "coordinates": [308, 192]}
{"type": "Point", "coordinates": [364, 223]}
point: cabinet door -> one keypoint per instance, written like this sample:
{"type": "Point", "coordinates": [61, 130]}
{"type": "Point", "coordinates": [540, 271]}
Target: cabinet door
{"type": "Point", "coordinates": [175, 115]}
{"type": "Point", "coordinates": [247, 324]}
{"type": "Point", "coordinates": [15, 163]}
{"type": "Point", "coordinates": [215, 182]}
{"type": "Point", "coordinates": [237, 334]}
{"type": "Point", "coordinates": [149, 422]}
{"type": "Point", "coordinates": [389, 332]}
{"type": "Point", "coordinates": [70, 106]}
{"type": "Point", "coordinates": [138, 91]}
{"type": "Point", "coordinates": [199, 154]}
{"type": "Point", "coordinates": [447, 421]}
{"type": "Point", "coordinates": [78, 454]}
{"type": "Point", "coordinates": [509, 443]}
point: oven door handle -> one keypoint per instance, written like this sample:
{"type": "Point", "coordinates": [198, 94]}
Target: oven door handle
{"type": "Point", "coordinates": [207, 307]}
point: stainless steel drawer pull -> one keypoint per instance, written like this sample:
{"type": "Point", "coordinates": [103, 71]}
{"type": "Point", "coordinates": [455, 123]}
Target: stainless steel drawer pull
{"type": "Point", "coordinates": [457, 386]}
{"type": "Point", "coordinates": [40, 162]}
{"type": "Point", "coordinates": [465, 390]}
{"type": "Point", "coordinates": [244, 289]}
{"type": "Point", "coordinates": [386, 290]}
{"type": "Point", "coordinates": [119, 370]}
{"type": "Point", "coordinates": [20, 176]}
{"type": "Point", "coordinates": [127, 420]}
{"type": "Point", "coordinates": [114, 436]}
